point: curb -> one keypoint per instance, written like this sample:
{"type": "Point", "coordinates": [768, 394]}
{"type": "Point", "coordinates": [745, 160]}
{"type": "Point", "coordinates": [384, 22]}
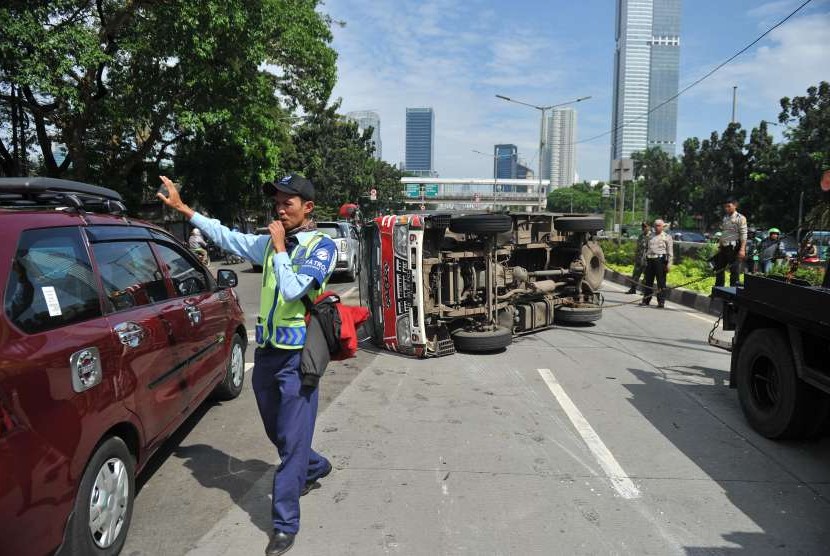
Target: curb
{"type": "Point", "coordinates": [687, 298]}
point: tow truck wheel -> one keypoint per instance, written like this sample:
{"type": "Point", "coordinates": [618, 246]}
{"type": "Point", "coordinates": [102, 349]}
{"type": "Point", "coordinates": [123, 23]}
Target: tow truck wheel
{"type": "Point", "coordinates": [475, 341]}
{"type": "Point", "coordinates": [775, 401]}
{"type": "Point", "coordinates": [481, 224]}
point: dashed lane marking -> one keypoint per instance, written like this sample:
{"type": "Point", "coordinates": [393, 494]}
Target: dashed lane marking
{"type": "Point", "coordinates": [613, 470]}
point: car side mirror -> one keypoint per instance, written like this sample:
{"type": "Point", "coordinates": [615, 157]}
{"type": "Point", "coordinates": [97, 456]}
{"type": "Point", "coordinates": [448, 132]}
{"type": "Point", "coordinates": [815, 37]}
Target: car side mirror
{"type": "Point", "coordinates": [226, 278]}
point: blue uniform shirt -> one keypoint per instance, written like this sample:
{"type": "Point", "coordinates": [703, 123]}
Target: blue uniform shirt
{"type": "Point", "coordinates": [293, 285]}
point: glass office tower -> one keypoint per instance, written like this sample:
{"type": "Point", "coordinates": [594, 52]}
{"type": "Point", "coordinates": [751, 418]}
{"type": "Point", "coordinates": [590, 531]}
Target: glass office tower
{"type": "Point", "coordinates": [505, 161]}
{"type": "Point", "coordinates": [420, 141]}
{"type": "Point", "coordinates": [646, 73]}
{"type": "Point", "coordinates": [366, 119]}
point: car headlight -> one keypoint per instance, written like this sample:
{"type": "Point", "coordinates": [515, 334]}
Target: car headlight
{"type": "Point", "coordinates": [400, 241]}
{"type": "Point", "coordinates": [402, 331]}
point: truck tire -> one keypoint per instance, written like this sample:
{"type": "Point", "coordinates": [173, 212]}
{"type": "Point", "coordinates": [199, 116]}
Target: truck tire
{"type": "Point", "coordinates": [774, 400]}
{"type": "Point", "coordinates": [581, 314]}
{"type": "Point", "coordinates": [594, 260]}
{"type": "Point", "coordinates": [579, 223]}
{"type": "Point", "coordinates": [474, 341]}
{"type": "Point", "coordinates": [481, 224]}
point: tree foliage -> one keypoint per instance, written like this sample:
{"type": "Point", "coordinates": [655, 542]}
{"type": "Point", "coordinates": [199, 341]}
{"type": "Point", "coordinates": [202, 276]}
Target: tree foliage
{"type": "Point", "coordinates": [768, 179]}
{"type": "Point", "coordinates": [581, 197]}
{"type": "Point", "coordinates": [120, 82]}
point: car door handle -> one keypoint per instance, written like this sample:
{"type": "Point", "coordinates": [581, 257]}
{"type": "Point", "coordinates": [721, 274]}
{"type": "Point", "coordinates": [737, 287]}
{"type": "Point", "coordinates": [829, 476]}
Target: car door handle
{"type": "Point", "coordinates": [194, 314]}
{"type": "Point", "coordinates": [131, 334]}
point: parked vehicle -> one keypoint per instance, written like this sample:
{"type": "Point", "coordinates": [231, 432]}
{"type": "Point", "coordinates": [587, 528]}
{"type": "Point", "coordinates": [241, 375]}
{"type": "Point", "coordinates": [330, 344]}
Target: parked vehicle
{"type": "Point", "coordinates": [112, 334]}
{"type": "Point", "coordinates": [439, 281]}
{"type": "Point", "coordinates": [688, 235]}
{"type": "Point", "coordinates": [345, 237]}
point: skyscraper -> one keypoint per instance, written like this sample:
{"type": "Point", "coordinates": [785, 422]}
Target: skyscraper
{"type": "Point", "coordinates": [505, 160]}
{"type": "Point", "coordinates": [420, 141]}
{"type": "Point", "coordinates": [646, 73]}
{"type": "Point", "coordinates": [561, 137]}
{"type": "Point", "coordinates": [366, 119]}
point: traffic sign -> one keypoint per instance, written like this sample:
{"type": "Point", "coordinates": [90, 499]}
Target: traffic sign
{"type": "Point", "coordinates": [413, 190]}
{"type": "Point", "coordinates": [431, 190]}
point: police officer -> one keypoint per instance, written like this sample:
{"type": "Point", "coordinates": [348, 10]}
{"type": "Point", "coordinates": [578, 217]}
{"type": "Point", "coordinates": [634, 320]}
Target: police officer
{"type": "Point", "coordinates": [658, 263]}
{"type": "Point", "coordinates": [297, 261]}
{"type": "Point", "coordinates": [731, 245]}
{"type": "Point", "coordinates": [640, 257]}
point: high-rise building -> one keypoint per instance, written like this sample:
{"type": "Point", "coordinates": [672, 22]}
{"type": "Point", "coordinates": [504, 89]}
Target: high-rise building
{"type": "Point", "coordinates": [420, 141]}
{"type": "Point", "coordinates": [505, 161]}
{"type": "Point", "coordinates": [561, 139]}
{"type": "Point", "coordinates": [366, 119]}
{"type": "Point", "coordinates": [646, 74]}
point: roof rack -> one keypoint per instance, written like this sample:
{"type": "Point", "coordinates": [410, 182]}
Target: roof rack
{"type": "Point", "coordinates": [37, 192]}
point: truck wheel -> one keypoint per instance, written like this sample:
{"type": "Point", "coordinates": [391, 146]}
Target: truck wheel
{"type": "Point", "coordinates": [481, 224]}
{"type": "Point", "coordinates": [774, 400]}
{"type": "Point", "coordinates": [104, 504]}
{"type": "Point", "coordinates": [474, 341]}
{"type": "Point", "coordinates": [581, 314]}
{"type": "Point", "coordinates": [594, 260]}
{"type": "Point", "coordinates": [579, 223]}
{"type": "Point", "coordinates": [231, 385]}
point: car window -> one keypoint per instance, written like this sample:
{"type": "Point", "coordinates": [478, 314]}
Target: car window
{"type": "Point", "coordinates": [354, 233]}
{"type": "Point", "coordinates": [331, 230]}
{"type": "Point", "coordinates": [130, 274]}
{"type": "Point", "coordinates": [188, 279]}
{"type": "Point", "coordinates": [51, 283]}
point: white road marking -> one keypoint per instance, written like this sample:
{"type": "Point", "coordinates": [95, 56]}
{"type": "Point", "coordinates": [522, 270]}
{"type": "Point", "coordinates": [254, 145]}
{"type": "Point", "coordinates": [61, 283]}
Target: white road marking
{"type": "Point", "coordinates": [348, 292]}
{"type": "Point", "coordinates": [248, 366]}
{"type": "Point", "coordinates": [613, 470]}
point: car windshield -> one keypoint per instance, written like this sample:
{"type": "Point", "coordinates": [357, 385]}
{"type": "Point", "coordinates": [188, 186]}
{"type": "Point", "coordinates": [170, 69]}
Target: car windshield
{"type": "Point", "coordinates": [331, 230]}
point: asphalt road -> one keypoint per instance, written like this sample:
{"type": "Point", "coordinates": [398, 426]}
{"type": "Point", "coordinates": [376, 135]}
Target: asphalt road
{"type": "Point", "coordinates": [617, 438]}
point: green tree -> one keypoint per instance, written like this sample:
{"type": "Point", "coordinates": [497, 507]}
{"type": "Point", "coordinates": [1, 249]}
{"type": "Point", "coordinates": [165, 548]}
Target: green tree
{"type": "Point", "coordinates": [663, 183]}
{"type": "Point", "coordinates": [120, 82]}
{"type": "Point", "coordinates": [580, 197]}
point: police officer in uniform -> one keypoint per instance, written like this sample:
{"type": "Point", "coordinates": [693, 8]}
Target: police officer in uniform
{"type": "Point", "coordinates": [731, 245]}
{"type": "Point", "coordinates": [297, 261]}
{"type": "Point", "coordinates": [640, 257]}
{"type": "Point", "coordinates": [658, 263]}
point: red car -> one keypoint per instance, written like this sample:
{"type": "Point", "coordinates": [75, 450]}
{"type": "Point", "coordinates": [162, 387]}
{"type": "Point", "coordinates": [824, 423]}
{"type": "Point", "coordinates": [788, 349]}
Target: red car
{"type": "Point", "coordinates": [112, 333]}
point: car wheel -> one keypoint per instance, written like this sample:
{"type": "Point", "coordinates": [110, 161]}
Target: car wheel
{"type": "Point", "coordinates": [351, 275]}
{"type": "Point", "coordinates": [579, 223]}
{"type": "Point", "coordinates": [774, 400]}
{"type": "Point", "coordinates": [474, 341]}
{"type": "Point", "coordinates": [231, 385]}
{"type": "Point", "coordinates": [481, 224]}
{"type": "Point", "coordinates": [580, 314]}
{"type": "Point", "coordinates": [104, 505]}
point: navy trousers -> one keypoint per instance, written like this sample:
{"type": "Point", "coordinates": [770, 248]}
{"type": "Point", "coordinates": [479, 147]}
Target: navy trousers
{"type": "Point", "coordinates": [288, 411]}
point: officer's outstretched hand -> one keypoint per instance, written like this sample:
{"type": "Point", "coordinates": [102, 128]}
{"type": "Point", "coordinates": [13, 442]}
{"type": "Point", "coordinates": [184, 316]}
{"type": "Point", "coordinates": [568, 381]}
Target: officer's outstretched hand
{"type": "Point", "coordinates": [277, 235]}
{"type": "Point", "coordinates": [173, 200]}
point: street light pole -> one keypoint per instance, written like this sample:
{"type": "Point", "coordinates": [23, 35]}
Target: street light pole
{"type": "Point", "coordinates": [543, 110]}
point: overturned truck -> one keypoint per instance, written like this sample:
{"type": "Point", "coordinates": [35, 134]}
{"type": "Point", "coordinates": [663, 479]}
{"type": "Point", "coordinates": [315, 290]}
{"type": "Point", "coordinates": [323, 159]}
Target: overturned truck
{"type": "Point", "coordinates": [438, 281]}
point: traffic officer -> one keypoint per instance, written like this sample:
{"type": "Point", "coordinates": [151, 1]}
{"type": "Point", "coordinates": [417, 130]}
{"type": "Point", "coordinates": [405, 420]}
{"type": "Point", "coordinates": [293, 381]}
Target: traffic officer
{"type": "Point", "coordinates": [731, 245]}
{"type": "Point", "coordinates": [640, 257]}
{"type": "Point", "coordinates": [659, 256]}
{"type": "Point", "coordinates": [297, 261]}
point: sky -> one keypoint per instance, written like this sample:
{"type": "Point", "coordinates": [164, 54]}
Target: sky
{"type": "Point", "coordinates": [456, 56]}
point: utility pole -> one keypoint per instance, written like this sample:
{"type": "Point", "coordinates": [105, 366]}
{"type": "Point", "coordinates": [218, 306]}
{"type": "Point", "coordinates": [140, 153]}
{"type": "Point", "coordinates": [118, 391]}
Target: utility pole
{"type": "Point", "coordinates": [734, 104]}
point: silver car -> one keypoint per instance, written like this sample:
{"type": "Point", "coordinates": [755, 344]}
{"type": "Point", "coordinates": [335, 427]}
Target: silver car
{"type": "Point", "coordinates": [345, 236]}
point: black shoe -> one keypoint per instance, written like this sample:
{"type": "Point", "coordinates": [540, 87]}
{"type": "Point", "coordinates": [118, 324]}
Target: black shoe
{"type": "Point", "coordinates": [280, 543]}
{"type": "Point", "coordinates": [661, 305]}
{"type": "Point", "coordinates": [313, 484]}
{"type": "Point", "coordinates": [645, 303]}
{"type": "Point", "coordinates": [632, 290]}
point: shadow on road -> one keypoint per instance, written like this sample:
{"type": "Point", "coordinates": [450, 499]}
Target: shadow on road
{"type": "Point", "coordinates": [775, 485]}
{"type": "Point", "coordinates": [215, 469]}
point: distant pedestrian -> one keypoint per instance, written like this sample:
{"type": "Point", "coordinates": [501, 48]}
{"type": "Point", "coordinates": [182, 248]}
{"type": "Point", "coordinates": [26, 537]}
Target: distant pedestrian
{"type": "Point", "coordinates": [640, 257]}
{"type": "Point", "coordinates": [753, 251]}
{"type": "Point", "coordinates": [659, 255]}
{"type": "Point", "coordinates": [731, 245]}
